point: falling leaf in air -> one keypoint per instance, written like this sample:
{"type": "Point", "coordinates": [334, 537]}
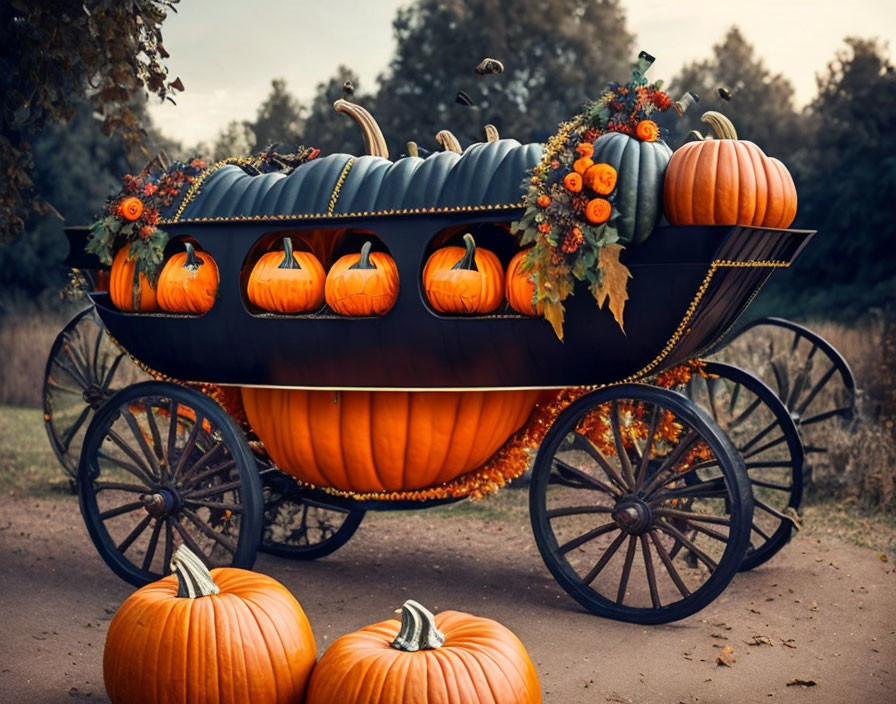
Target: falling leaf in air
{"type": "Point", "coordinates": [614, 281]}
{"type": "Point", "coordinates": [726, 657]}
{"type": "Point", "coordinates": [797, 682]}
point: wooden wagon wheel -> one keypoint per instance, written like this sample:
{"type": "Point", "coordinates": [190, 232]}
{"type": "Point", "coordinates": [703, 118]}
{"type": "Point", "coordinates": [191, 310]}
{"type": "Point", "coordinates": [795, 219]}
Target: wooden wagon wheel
{"type": "Point", "coordinates": [640, 505]}
{"type": "Point", "coordinates": [808, 374]}
{"type": "Point", "coordinates": [83, 370]}
{"type": "Point", "coordinates": [301, 525]}
{"type": "Point", "coordinates": [759, 425]}
{"type": "Point", "coordinates": [164, 465]}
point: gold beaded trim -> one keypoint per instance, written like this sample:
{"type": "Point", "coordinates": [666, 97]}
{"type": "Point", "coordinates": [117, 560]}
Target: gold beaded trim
{"type": "Point", "coordinates": [193, 191]}
{"type": "Point", "coordinates": [338, 187]}
{"type": "Point", "coordinates": [361, 214]}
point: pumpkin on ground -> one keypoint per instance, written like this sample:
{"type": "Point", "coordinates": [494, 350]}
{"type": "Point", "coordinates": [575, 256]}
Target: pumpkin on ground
{"type": "Point", "coordinates": [450, 658]}
{"type": "Point", "coordinates": [228, 636]}
{"type": "Point", "coordinates": [383, 440]}
{"type": "Point", "coordinates": [287, 281]}
{"type": "Point", "coordinates": [362, 284]}
{"type": "Point", "coordinates": [727, 181]}
{"type": "Point", "coordinates": [464, 279]}
{"type": "Point", "coordinates": [641, 168]}
{"type": "Point", "coordinates": [188, 282]}
{"type": "Point", "coordinates": [126, 292]}
{"type": "Point", "coordinates": [519, 288]}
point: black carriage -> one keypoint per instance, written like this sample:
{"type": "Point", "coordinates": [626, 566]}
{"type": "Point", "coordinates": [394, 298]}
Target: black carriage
{"type": "Point", "coordinates": [644, 530]}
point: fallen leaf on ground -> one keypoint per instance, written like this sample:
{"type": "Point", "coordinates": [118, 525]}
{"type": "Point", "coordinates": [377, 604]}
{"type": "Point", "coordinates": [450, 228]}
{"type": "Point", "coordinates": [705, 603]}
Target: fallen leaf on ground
{"type": "Point", "coordinates": [726, 657]}
{"type": "Point", "coordinates": [616, 698]}
{"type": "Point", "coordinates": [759, 640]}
{"type": "Point", "coordinates": [797, 682]}
{"type": "Point", "coordinates": [718, 635]}
{"type": "Point", "coordinates": [814, 606]}
{"type": "Point", "coordinates": [789, 642]}
{"type": "Point", "coordinates": [882, 556]}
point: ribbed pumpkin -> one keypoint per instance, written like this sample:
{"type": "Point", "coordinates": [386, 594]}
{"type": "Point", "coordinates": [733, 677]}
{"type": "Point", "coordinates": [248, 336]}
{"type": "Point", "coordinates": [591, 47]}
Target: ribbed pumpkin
{"type": "Point", "coordinates": [362, 284]}
{"type": "Point", "coordinates": [228, 636]}
{"type": "Point", "coordinates": [464, 279]}
{"type": "Point", "coordinates": [124, 292]}
{"type": "Point", "coordinates": [727, 181]}
{"type": "Point", "coordinates": [519, 289]}
{"type": "Point", "coordinates": [287, 281]}
{"type": "Point", "coordinates": [450, 658]}
{"type": "Point", "coordinates": [188, 282]}
{"type": "Point", "coordinates": [383, 440]}
{"type": "Point", "coordinates": [640, 168]}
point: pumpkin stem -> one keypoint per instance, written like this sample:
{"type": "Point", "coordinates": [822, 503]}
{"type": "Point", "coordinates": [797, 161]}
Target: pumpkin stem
{"type": "Point", "coordinates": [193, 578]}
{"type": "Point", "coordinates": [720, 124]}
{"type": "Point", "coordinates": [364, 262]}
{"type": "Point", "coordinates": [289, 261]}
{"type": "Point", "coordinates": [418, 629]}
{"type": "Point", "coordinates": [373, 135]}
{"type": "Point", "coordinates": [468, 261]}
{"type": "Point", "coordinates": [448, 141]}
{"type": "Point", "coordinates": [412, 149]}
{"type": "Point", "coordinates": [192, 262]}
{"type": "Point", "coordinates": [491, 133]}
{"type": "Point", "coordinates": [684, 102]}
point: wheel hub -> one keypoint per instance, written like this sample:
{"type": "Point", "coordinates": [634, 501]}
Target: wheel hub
{"type": "Point", "coordinates": [632, 515]}
{"type": "Point", "coordinates": [161, 503]}
{"type": "Point", "coordinates": [94, 396]}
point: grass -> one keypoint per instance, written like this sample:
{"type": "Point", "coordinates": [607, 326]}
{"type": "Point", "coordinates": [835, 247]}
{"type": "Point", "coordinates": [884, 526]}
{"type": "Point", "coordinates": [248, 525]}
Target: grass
{"type": "Point", "coordinates": [27, 463]}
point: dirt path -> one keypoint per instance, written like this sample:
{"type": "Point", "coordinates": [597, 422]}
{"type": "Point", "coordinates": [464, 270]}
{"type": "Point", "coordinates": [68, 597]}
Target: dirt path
{"type": "Point", "coordinates": [826, 608]}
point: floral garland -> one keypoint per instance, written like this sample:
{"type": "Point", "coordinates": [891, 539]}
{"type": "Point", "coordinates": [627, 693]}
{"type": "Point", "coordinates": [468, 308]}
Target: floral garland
{"type": "Point", "coordinates": [570, 201]}
{"type": "Point", "coordinates": [132, 216]}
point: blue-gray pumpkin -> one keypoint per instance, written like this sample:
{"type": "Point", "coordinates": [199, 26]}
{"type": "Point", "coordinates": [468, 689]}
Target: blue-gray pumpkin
{"type": "Point", "coordinates": [641, 169]}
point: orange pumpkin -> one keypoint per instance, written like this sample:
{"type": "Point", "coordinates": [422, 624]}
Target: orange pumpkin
{"type": "Point", "coordinates": [287, 282]}
{"type": "Point", "coordinates": [464, 280]}
{"type": "Point", "coordinates": [383, 440]}
{"type": "Point", "coordinates": [228, 636]}
{"type": "Point", "coordinates": [126, 292]}
{"type": "Point", "coordinates": [449, 658]}
{"type": "Point", "coordinates": [188, 282]}
{"type": "Point", "coordinates": [519, 288]}
{"type": "Point", "coordinates": [727, 181]}
{"type": "Point", "coordinates": [362, 284]}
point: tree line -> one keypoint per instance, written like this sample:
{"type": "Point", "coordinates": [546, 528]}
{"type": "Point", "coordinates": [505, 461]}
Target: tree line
{"type": "Point", "coordinates": [840, 148]}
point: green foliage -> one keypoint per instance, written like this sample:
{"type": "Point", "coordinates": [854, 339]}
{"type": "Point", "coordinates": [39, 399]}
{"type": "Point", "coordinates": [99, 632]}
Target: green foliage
{"type": "Point", "coordinates": [556, 53]}
{"type": "Point", "coordinates": [56, 54]}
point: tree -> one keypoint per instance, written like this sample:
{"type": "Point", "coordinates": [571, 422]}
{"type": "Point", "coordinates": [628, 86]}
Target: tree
{"type": "Point", "coordinates": [280, 119]}
{"type": "Point", "coordinates": [329, 131]}
{"type": "Point", "coordinates": [556, 53]}
{"type": "Point", "coordinates": [55, 55]}
{"type": "Point", "coordinates": [234, 140]}
{"type": "Point", "coordinates": [761, 107]}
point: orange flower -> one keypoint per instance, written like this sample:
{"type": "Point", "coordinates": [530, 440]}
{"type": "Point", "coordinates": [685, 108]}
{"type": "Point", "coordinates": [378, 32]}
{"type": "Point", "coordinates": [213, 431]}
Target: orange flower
{"type": "Point", "coordinates": [130, 208]}
{"type": "Point", "coordinates": [146, 231]}
{"type": "Point", "coordinates": [601, 178]}
{"type": "Point", "coordinates": [585, 149]}
{"type": "Point", "coordinates": [544, 200]}
{"type": "Point", "coordinates": [598, 210]}
{"type": "Point", "coordinates": [544, 228]}
{"type": "Point", "coordinates": [573, 182]}
{"type": "Point", "coordinates": [648, 131]}
{"type": "Point", "coordinates": [582, 165]}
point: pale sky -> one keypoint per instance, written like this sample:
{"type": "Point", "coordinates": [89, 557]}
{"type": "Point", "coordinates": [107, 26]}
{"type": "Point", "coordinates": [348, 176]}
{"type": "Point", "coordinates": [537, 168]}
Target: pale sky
{"type": "Point", "coordinates": [226, 52]}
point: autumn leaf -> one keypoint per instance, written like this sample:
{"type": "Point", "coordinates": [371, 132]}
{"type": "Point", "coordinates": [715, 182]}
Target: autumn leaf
{"type": "Point", "coordinates": [613, 283]}
{"type": "Point", "coordinates": [726, 657]}
{"type": "Point", "coordinates": [553, 313]}
{"type": "Point", "coordinates": [797, 682]}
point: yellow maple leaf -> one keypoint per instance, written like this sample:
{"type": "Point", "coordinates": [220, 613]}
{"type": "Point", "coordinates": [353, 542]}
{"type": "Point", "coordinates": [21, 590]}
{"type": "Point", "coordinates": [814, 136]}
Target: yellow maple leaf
{"type": "Point", "coordinates": [614, 282]}
{"type": "Point", "coordinates": [553, 313]}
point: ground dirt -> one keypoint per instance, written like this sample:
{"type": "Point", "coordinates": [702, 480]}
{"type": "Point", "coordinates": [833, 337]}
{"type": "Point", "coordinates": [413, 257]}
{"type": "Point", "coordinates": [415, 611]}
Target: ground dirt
{"type": "Point", "coordinates": [823, 611]}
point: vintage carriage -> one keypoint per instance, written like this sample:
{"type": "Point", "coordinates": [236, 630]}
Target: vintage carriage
{"type": "Point", "coordinates": [239, 429]}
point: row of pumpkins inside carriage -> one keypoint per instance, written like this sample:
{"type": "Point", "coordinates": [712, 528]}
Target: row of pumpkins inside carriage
{"type": "Point", "coordinates": [641, 502]}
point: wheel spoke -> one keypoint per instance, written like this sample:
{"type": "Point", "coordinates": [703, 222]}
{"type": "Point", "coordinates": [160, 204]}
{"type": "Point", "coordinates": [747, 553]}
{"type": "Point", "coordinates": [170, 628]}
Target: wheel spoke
{"type": "Point", "coordinates": [626, 569]}
{"type": "Point", "coordinates": [69, 434]}
{"type": "Point", "coordinates": [153, 543]}
{"type": "Point", "coordinates": [669, 463]}
{"type": "Point", "coordinates": [691, 516]}
{"type": "Point", "coordinates": [222, 506]}
{"type": "Point", "coordinates": [172, 437]}
{"type": "Point", "coordinates": [770, 485]}
{"type": "Point", "coordinates": [744, 414]}
{"type": "Point", "coordinates": [141, 440]}
{"type": "Point", "coordinates": [767, 446]}
{"type": "Point", "coordinates": [804, 404]}
{"type": "Point", "coordinates": [119, 510]}
{"type": "Point", "coordinates": [670, 567]}
{"type": "Point", "coordinates": [842, 411]}
{"type": "Point", "coordinates": [712, 488]}
{"type": "Point", "coordinates": [77, 366]}
{"type": "Point", "coordinates": [651, 575]}
{"type": "Point", "coordinates": [158, 449]}
{"type": "Point", "coordinates": [191, 543]}
{"type": "Point", "coordinates": [686, 542]}
{"type": "Point", "coordinates": [765, 431]}
{"type": "Point", "coordinates": [216, 489]}
{"type": "Point", "coordinates": [134, 534]}
{"type": "Point", "coordinates": [646, 454]}
{"type": "Point", "coordinates": [228, 545]}
{"type": "Point", "coordinates": [583, 443]}
{"type": "Point", "coordinates": [605, 558]}
{"type": "Point", "coordinates": [577, 510]}
{"type": "Point", "coordinates": [761, 532]}
{"type": "Point", "coordinates": [710, 394]}
{"type": "Point", "coordinates": [188, 446]}
{"type": "Point", "coordinates": [203, 461]}
{"type": "Point", "coordinates": [774, 512]}
{"type": "Point", "coordinates": [110, 372]}
{"type": "Point", "coordinates": [210, 472]}
{"type": "Point", "coordinates": [585, 537]}
{"type": "Point", "coordinates": [621, 452]}
{"type": "Point", "coordinates": [118, 486]}
{"type": "Point", "coordinates": [136, 470]}
{"type": "Point", "coordinates": [732, 400]}
{"type": "Point", "coordinates": [582, 480]}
